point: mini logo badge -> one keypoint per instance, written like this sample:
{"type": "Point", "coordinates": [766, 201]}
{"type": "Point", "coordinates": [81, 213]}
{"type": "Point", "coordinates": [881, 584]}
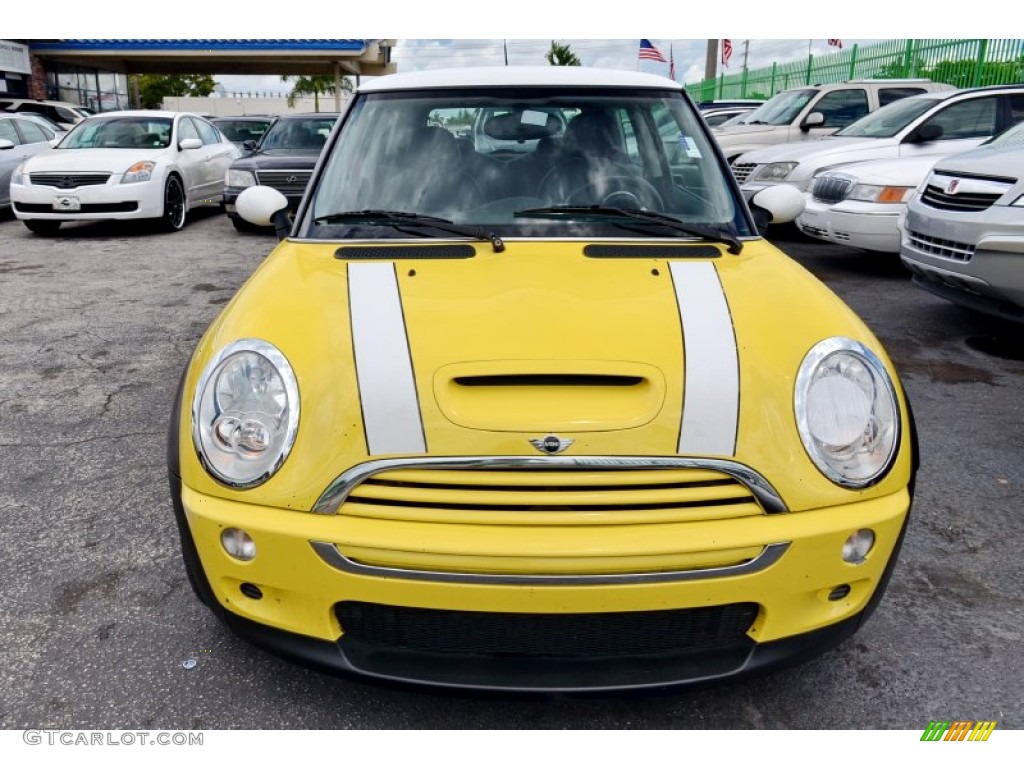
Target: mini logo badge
{"type": "Point", "coordinates": [952, 187]}
{"type": "Point", "coordinates": [551, 444]}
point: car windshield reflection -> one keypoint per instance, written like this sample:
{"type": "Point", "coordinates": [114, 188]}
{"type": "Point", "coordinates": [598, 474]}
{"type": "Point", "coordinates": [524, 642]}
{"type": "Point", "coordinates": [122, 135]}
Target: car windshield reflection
{"type": "Point", "coordinates": [477, 157]}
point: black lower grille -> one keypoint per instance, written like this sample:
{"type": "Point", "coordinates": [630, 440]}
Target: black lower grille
{"type": "Point", "coordinates": [581, 635]}
{"type": "Point", "coordinates": [86, 208]}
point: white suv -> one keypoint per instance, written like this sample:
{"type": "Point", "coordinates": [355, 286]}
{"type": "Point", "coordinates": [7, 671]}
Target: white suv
{"type": "Point", "coordinates": [61, 112]}
{"type": "Point", "coordinates": [814, 111]}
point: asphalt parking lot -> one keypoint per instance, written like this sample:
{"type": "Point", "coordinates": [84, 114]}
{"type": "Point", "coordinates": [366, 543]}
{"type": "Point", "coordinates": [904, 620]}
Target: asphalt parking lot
{"type": "Point", "coordinates": [97, 618]}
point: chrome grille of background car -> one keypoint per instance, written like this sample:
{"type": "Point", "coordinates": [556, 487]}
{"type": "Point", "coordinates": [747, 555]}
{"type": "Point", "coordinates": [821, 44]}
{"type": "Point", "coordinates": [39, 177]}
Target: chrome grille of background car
{"type": "Point", "coordinates": [831, 189]}
{"type": "Point", "coordinates": [288, 182]}
{"type": "Point", "coordinates": [68, 180]}
{"type": "Point", "coordinates": [936, 246]}
{"type": "Point", "coordinates": [742, 171]}
{"type": "Point", "coordinates": [936, 197]}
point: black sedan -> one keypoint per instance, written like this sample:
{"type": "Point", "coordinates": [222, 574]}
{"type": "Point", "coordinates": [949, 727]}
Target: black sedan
{"type": "Point", "coordinates": [283, 159]}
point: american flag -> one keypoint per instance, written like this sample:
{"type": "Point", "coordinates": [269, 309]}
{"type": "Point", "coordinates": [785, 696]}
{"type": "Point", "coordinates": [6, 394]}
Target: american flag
{"type": "Point", "coordinates": [836, 43]}
{"type": "Point", "coordinates": [726, 52]}
{"type": "Point", "coordinates": [648, 51]}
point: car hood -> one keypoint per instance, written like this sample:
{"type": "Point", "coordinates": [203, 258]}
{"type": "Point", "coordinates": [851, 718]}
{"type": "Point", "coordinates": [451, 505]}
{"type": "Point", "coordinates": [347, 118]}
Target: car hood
{"type": "Point", "coordinates": [479, 355]}
{"type": "Point", "coordinates": [829, 150]}
{"type": "Point", "coordinates": [897, 171]}
{"type": "Point", "coordinates": [277, 159]}
{"type": "Point", "coordinates": [1005, 162]}
{"type": "Point", "coordinates": [96, 160]}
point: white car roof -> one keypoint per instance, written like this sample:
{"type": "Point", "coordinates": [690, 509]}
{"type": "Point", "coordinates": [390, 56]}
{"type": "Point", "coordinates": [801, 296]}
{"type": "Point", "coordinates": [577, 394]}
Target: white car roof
{"type": "Point", "coordinates": [513, 76]}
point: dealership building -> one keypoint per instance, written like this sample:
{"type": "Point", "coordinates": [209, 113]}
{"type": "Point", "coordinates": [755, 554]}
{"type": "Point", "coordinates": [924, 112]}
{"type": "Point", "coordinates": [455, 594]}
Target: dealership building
{"type": "Point", "coordinates": [94, 73]}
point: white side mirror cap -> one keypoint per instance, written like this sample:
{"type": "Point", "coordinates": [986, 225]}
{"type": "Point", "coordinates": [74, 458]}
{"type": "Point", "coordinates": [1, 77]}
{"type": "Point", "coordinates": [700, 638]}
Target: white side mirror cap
{"type": "Point", "coordinates": [257, 205]}
{"type": "Point", "coordinates": [782, 201]}
{"type": "Point", "coordinates": [190, 144]}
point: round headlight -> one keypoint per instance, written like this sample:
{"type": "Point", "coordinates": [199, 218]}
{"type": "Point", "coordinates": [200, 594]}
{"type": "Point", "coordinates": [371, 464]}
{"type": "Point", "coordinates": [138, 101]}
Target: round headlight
{"type": "Point", "coordinates": [847, 412]}
{"type": "Point", "coordinates": [245, 413]}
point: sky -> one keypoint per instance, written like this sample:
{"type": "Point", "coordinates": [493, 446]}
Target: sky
{"type": "Point", "coordinates": [689, 55]}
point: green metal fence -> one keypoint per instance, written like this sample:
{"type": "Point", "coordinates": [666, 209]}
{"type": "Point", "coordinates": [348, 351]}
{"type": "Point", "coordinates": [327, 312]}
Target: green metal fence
{"type": "Point", "coordinates": [961, 63]}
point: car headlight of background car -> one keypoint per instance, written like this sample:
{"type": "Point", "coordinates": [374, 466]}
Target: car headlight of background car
{"type": "Point", "coordinates": [141, 171]}
{"type": "Point", "coordinates": [775, 171]}
{"type": "Point", "coordinates": [847, 412]}
{"type": "Point", "coordinates": [874, 193]}
{"type": "Point", "coordinates": [237, 178]}
{"type": "Point", "coordinates": [245, 413]}
{"type": "Point", "coordinates": [18, 175]}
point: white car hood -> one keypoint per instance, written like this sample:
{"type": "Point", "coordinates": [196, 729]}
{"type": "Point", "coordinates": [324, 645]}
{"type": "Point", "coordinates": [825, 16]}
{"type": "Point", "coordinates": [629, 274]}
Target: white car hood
{"type": "Point", "coordinates": [95, 160]}
{"type": "Point", "coordinates": [829, 150]}
{"type": "Point", "coordinates": [729, 131]}
{"type": "Point", "coordinates": [894, 172]}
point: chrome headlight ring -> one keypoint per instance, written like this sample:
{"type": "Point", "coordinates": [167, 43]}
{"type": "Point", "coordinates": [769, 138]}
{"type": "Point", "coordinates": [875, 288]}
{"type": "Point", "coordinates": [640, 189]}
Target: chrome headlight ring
{"type": "Point", "coordinates": [847, 412]}
{"type": "Point", "coordinates": [245, 413]}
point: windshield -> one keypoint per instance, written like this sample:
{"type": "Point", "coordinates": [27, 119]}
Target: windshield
{"type": "Point", "coordinates": [448, 154]}
{"type": "Point", "coordinates": [120, 133]}
{"type": "Point", "coordinates": [781, 109]}
{"type": "Point", "coordinates": [887, 121]}
{"type": "Point", "coordinates": [299, 134]}
{"type": "Point", "coordinates": [243, 130]}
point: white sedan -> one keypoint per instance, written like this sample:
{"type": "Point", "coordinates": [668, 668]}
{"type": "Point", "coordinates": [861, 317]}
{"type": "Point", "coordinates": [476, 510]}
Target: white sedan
{"type": "Point", "coordinates": [124, 165]}
{"type": "Point", "coordinates": [860, 204]}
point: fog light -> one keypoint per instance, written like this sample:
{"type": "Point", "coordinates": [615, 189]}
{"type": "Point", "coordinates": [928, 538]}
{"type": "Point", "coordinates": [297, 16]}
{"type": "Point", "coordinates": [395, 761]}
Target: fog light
{"type": "Point", "coordinates": [239, 545]}
{"type": "Point", "coordinates": [251, 591]}
{"type": "Point", "coordinates": [856, 548]}
{"type": "Point", "coordinates": [838, 593]}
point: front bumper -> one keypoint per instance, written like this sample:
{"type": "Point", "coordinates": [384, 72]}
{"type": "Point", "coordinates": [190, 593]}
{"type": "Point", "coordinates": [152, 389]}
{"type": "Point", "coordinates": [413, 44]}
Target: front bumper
{"type": "Point", "coordinates": [976, 263]}
{"type": "Point", "coordinates": [302, 594]}
{"type": "Point", "coordinates": [871, 226]}
{"type": "Point", "coordinates": [143, 200]}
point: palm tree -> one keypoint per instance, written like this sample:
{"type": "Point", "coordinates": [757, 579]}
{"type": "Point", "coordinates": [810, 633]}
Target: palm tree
{"type": "Point", "coordinates": [313, 85]}
{"type": "Point", "coordinates": [561, 56]}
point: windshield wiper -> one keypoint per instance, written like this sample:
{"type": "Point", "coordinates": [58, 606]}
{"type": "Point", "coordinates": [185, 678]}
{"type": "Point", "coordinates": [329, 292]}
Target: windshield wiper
{"type": "Point", "coordinates": [716, 234]}
{"type": "Point", "coordinates": [400, 219]}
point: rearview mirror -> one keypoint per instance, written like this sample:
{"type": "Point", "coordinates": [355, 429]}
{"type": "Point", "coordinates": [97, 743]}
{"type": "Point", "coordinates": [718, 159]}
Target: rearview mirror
{"type": "Point", "coordinates": [264, 207]}
{"type": "Point", "coordinates": [926, 132]}
{"type": "Point", "coordinates": [777, 204]}
{"type": "Point", "coordinates": [813, 120]}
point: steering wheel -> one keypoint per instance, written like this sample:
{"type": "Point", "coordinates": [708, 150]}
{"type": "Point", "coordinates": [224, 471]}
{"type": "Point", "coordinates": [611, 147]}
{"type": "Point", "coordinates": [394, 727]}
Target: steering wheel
{"type": "Point", "coordinates": [617, 191]}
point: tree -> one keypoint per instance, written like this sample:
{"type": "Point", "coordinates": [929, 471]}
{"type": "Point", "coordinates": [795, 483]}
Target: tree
{"type": "Point", "coordinates": [153, 89]}
{"type": "Point", "coordinates": [561, 56]}
{"type": "Point", "coordinates": [313, 85]}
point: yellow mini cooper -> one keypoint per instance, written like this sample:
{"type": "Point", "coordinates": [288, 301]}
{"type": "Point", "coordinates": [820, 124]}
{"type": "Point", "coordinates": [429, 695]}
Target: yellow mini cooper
{"type": "Point", "coordinates": [523, 401]}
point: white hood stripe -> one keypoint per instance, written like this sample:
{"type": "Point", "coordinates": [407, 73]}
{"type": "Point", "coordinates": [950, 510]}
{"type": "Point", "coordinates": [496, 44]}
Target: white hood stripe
{"type": "Point", "coordinates": [711, 378]}
{"type": "Point", "coordinates": [387, 387]}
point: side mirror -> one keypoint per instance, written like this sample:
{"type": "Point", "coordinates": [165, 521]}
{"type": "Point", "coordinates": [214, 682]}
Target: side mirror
{"type": "Point", "coordinates": [264, 207]}
{"type": "Point", "coordinates": [813, 120]}
{"type": "Point", "coordinates": [6, 144]}
{"type": "Point", "coordinates": [189, 144]}
{"type": "Point", "coordinates": [926, 132]}
{"type": "Point", "coordinates": [249, 145]}
{"type": "Point", "coordinates": [777, 204]}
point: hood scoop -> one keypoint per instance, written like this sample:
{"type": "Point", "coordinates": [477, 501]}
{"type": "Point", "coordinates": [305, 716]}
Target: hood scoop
{"type": "Point", "coordinates": [549, 395]}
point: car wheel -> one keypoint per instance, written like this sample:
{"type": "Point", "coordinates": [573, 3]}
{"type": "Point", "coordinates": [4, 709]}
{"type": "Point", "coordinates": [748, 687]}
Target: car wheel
{"type": "Point", "coordinates": [174, 205]}
{"type": "Point", "coordinates": [42, 227]}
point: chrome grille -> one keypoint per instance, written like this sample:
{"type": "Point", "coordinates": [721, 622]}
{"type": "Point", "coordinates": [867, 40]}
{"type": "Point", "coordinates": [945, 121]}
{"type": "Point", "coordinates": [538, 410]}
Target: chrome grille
{"type": "Point", "coordinates": [935, 197]}
{"type": "Point", "coordinates": [937, 246]}
{"type": "Point", "coordinates": [289, 182]}
{"type": "Point", "coordinates": [543, 496]}
{"type": "Point", "coordinates": [68, 180]}
{"type": "Point", "coordinates": [742, 171]}
{"type": "Point", "coordinates": [831, 189]}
